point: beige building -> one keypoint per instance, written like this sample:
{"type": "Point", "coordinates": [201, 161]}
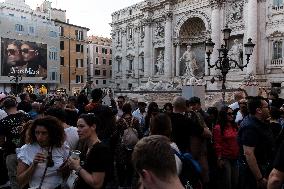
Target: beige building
{"type": "Point", "coordinates": [100, 61]}
{"type": "Point", "coordinates": [73, 56]}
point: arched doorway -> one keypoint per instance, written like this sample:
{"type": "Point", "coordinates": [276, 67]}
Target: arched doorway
{"type": "Point", "coordinates": [193, 32]}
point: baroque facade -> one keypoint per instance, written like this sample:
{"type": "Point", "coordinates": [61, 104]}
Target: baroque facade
{"type": "Point", "coordinates": [150, 38]}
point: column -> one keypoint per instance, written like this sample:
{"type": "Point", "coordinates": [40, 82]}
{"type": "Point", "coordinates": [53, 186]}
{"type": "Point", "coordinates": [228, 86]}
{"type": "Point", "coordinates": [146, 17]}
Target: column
{"type": "Point", "coordinates": [168, 46]}
{"type": "Point", "coordinates": [177, 58]}
{"type": "Point", "coordinates": [147, 49]}
{"type": "Point", "coordinates": [252, 33]}
{"type": "Point", "coordinates": [215, 35]}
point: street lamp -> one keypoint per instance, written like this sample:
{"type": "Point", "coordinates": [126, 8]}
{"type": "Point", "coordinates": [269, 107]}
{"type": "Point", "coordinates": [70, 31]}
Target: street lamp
{"type": "Point", "coordinates": [224, 63]}
{"type": "Point", "coordinates": [17, 78]}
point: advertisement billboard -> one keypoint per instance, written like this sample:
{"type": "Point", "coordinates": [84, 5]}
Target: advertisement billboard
{"type": "Point", "coordinates": [28, 59]}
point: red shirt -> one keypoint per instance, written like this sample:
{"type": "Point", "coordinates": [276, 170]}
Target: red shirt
{"type": "Point", "coordinates": [226, 145]}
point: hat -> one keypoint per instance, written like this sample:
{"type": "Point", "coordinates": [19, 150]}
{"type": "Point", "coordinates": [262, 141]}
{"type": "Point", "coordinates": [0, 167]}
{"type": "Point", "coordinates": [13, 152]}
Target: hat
{"type": "Point", "coordinates": [194, 100]}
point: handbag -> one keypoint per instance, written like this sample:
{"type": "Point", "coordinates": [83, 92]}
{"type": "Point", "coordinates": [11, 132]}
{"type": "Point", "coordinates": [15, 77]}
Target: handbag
{"type": "Point", "coordinates": [71, 180]}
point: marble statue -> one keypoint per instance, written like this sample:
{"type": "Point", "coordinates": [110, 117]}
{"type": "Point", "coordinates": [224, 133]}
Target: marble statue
{"type": "Point", "coordinates": [190, 62]}
{"type": "Point", "coordinates": [160, 64]}
{"type": "Point", "coordinates": [236, 50]}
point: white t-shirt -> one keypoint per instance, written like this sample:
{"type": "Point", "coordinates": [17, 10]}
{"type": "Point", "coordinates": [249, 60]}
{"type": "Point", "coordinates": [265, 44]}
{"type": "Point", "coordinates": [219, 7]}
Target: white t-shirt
{"type": "Point", "coordinates": [52, 178]}
{"type": "Point", "coordinates": [234, 106]}
{"type": "Point", "coordinates": [178, 161]}
{"type": "Point", "coordinates": [72, 137]}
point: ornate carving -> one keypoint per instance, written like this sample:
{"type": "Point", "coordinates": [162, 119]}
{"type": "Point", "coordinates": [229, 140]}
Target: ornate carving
{"type": "Point", "coordinates": [130, 57]}
{"type": "Point", "coordinates": [192, 14]}
{"type": "Point", "coordinates": [168, 16]}
{"type": "Point", "coordinates": [235, 11]}
{"type": "Point", "coordinates": [159, 30]}
{"type": "Point", "coordinates": [192, 27]}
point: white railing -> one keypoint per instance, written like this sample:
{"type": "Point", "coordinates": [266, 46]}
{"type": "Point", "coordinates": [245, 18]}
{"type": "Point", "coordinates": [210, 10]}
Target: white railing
{"type": "Point", "coordinates": [277, 62]}
{"type": "Point", "coordinates": [275, 10]}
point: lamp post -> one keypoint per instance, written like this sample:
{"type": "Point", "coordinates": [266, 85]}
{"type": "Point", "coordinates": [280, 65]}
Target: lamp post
{"type": "Point", "coordinates": [17, 78]}
{"type": "Point", "coordinates": [224, 63]}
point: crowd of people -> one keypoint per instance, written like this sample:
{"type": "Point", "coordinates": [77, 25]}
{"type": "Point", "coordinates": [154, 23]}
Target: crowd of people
{"type": "Point", "coordinates": [74, 142]}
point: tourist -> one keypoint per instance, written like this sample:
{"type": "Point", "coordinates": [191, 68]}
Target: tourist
{"type": "Point", "coordinates": [276, 177]}
{"type": "Point", "coordinates": [25, 103]}
{"type": "Point", "coordinates": [95, 161]}
{"type": "Point", "coordinates": [120, 101]}
{"type": "Point", "coordinates": [226, 148]}
{"type": "Point", "coordinates": [140, 113]}
{"type": "Point", "coordinates": [11, 128]}
{"type": "Point", "coordinates": [128, 132]}
{"type": "Point", "coordinates": [153, 109]}
{"type": "Point", "coordinates": [256, 143]}
{"type": "Point", "coordinates": [168, 108]}
{"type": "Point", "coordinates": [156, 170]}
{"type": "Point", "coordinates": [40, 159]}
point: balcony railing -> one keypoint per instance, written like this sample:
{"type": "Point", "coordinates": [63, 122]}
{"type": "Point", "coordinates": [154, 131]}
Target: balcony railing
{"type": "Point", "coordinates": [277, 8]}
{"type": "Point", "coordinates": [277, 62]}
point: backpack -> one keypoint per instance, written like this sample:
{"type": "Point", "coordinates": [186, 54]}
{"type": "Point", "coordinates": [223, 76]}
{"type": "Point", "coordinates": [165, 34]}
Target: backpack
{"type": "Point", "coordinates": [130, 136]}
{"type": "Point", "coordinates": [190, 175]}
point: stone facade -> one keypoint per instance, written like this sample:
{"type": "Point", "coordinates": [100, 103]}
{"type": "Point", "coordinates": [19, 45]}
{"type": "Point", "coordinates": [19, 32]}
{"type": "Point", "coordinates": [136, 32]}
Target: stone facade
{"type": "Point", "coordinates": [143, 31]}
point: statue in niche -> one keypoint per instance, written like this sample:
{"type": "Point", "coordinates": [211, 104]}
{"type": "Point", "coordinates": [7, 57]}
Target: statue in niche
{"type": "Point", "coordinates": [160, 63]}
{"type": "Point", "coordinates": [160, 30]}
{"type": "Point", "coordinates": [189, 59]}
{"type": "Point", "coordinates": [236, 51]}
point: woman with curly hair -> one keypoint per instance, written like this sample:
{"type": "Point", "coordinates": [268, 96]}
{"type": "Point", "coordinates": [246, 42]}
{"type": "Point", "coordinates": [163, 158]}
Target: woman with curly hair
{"type": "Point", "coordinates": [40, 159]}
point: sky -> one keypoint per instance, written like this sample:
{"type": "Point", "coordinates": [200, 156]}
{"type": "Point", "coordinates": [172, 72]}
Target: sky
{"type": "Point", "coordinates": [93, 14]}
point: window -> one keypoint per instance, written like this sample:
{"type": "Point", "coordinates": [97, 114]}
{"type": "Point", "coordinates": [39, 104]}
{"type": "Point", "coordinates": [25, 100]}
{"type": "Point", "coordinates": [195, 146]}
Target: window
{"type": "Point", "coordinates": [97, 82]}
{"type": "Point", "coordinates": [31, 30]}
{"type": "Point", "coordinates": [142, 63]}
{"type": "Point", "coordinates": [52, 34]}
{"type": "Point", "coordinates": [60, 77]}
{"type": "Point", "coordinates": [19, 27]}
{"type": "Point", "coordinates": [79, 63]}
{"type": "Point", "coordinates": [110, 73]}
{"type": "Point", "coordinates": [119, 66]}
{"type": "Point", "coordinates": [110, 62]}
{"type": "Point", "coordinates": [130, 64]}
{"type": "Point", "coordinates": [61, 45]}
{"type": "Point", "coordinates": [97, 49]}
{"type": "Point", "coordinates": [103, 50]}
{"type": "Point", "coordinates": [61, 31]}
{"type": "Point", "coordinates": [277, 49]}
{"type": "Point", "coordinates": [104, 82]}
{"type": "Point", "coordinates": [130, 33]}
{"type": "Point", "coordinates": [62, 60]}
{"type": "Point", "coordinates": [129, 86]}
{"type": "Point", "coordinates": [97, 61]}
{"type": "Point", "coordinates": [11, 14]}
{"type": "Point", "coordinates": [23, 17]}
{"type": "Point", "coordinates": [110, 51]}
{"type": "Point", "coordinates": [53, 76]}
{"type": "Point", "coordinates": [104, 61]}
{"type": "Point", "coordinates": [277, 3]}
{"type": "Point", "coordinates": [130, 12]}
{"type": "Point", "coordinates": [79, 35]}
{"type": "Point", "coordinates": [79, 48]}
{"type": "Point", "coordinates": [104, 73]}
{"type": "Point", "coordinates": [53, 54]}
{"type": "Point", "coordinates": [97, 72]}
{"type": "Point", "coordinates": [79, 79]}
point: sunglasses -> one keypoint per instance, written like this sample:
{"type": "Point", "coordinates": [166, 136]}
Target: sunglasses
{"type": "Point", "coordinates": [11, 51]}
{"type": "Point", "coordinates": [25, 50]}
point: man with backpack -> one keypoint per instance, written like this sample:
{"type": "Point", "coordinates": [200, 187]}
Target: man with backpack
{"type": "Point", "coordinates": [127, 133]}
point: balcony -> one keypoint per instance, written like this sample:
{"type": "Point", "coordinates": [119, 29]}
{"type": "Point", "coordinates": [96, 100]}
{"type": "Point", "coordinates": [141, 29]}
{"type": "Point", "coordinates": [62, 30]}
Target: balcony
{"type": "Point", "coordinates": [276, 9]}
{"type": "Point", "coordinates": [275, 64]}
